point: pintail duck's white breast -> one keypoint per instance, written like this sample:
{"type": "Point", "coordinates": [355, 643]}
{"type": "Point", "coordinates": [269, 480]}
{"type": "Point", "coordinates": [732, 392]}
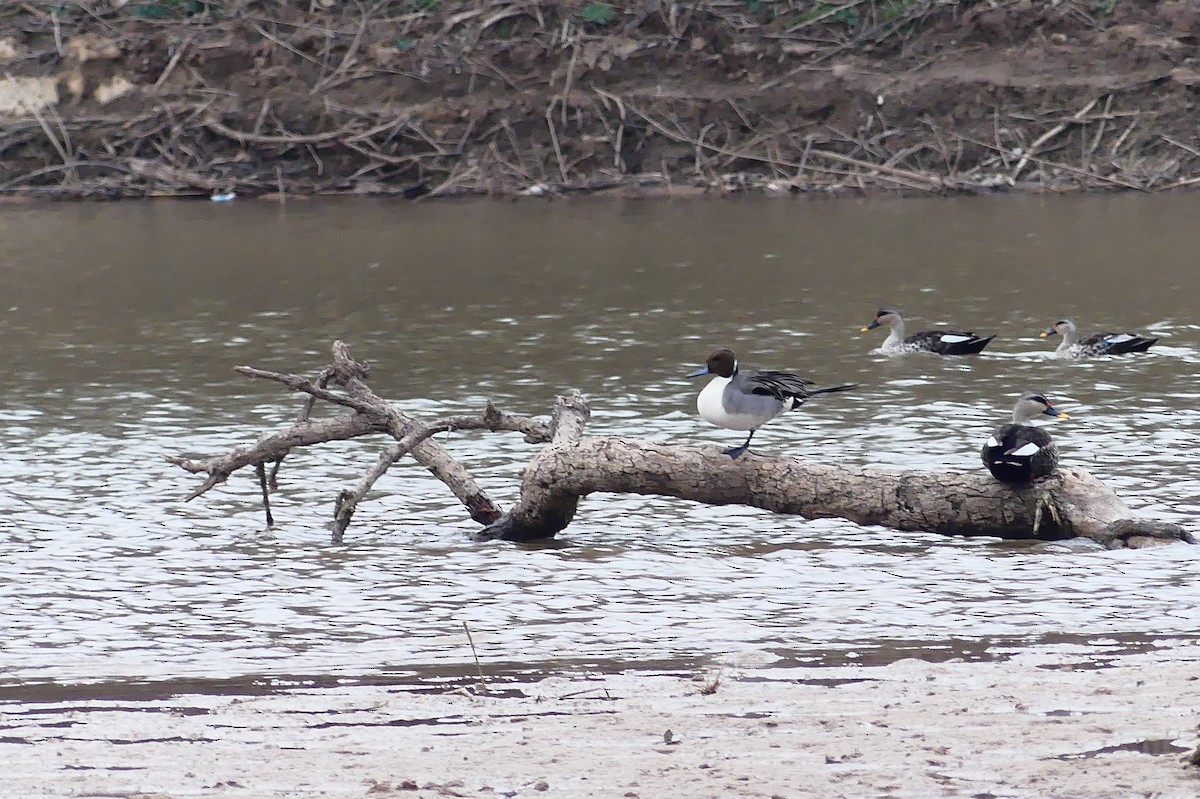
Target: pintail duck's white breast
{"type": "Point", "coordinates": [737, 400]}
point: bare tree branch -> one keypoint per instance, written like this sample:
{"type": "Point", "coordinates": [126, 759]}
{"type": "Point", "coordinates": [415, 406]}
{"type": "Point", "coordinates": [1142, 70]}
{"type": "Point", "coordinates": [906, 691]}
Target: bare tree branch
{"type": "Point", "coordinates": [372, 415]}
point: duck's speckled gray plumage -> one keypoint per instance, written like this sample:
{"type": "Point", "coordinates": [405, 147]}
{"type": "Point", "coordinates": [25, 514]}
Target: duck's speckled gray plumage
{"type": "Point", "coordinates": [1107, 343]}
{"type": "Point", "coordinates": [1020, 452]}
{"type": "Point", "coordinates": [738, 400]}
{"type": "Point", "coordinates": [943, 342]}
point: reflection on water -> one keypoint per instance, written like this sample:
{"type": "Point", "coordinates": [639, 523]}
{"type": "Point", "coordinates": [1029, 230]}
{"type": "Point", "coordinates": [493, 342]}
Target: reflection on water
{"type": "Point", "coordinates": [122, 325]}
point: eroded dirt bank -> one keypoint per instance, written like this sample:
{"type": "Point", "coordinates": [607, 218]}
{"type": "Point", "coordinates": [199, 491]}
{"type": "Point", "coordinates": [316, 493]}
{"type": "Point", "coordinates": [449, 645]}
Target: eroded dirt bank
{"type": "Point", "coordinates": [1051, 723]}
{"type": "Point", "coordinates": [142, 97]}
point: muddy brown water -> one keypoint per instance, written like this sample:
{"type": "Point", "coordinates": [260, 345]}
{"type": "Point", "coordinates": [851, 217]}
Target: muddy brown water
{"type": "Point", "coordinates": [121, 325]}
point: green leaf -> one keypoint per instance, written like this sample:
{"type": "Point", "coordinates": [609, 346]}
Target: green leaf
{"type": "Point", "coordinates": [151, 11]}
{"type": "Point", "coordinates": [599, 13]}
{"type": "Point", "coordinates": [891, 9]}
{"type": "Point", "coordinates": [847, 15]}
{"type": "Point", "coordinates": [161, 9]}
{"type": "Point", "coordinates": [832, 12]}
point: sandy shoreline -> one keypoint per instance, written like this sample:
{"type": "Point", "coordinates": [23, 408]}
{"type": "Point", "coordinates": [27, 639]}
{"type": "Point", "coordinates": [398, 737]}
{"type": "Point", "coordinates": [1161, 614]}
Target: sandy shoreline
{"type": "Point", "coordinates": [1043, 724]}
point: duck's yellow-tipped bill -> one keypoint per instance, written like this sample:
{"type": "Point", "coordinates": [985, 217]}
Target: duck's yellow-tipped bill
{"type": "Point", "coordinates": [1043, 334]}
{"type": "Point", "coordinates": [865, 330]}
{"type": "Point", "coordinates": [1062, 416]}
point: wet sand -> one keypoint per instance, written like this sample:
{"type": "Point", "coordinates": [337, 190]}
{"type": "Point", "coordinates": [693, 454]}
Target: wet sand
{"type": "Point", "coordinates": [1053, 722]}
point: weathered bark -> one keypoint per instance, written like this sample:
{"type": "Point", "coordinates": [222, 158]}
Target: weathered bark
{"type": "Point", "coordinates": [1068, 503]}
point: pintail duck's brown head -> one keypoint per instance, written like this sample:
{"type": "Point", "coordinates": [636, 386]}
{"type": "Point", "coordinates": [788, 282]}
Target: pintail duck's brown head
{"type": "Point", "coordinates": [722, 363]}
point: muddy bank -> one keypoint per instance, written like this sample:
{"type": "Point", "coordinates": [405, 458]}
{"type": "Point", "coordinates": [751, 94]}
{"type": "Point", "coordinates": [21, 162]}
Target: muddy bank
{"type": "Point", "coordinates": [131, 98]}
{"type": "Point", "coordinates": [1051, 722]}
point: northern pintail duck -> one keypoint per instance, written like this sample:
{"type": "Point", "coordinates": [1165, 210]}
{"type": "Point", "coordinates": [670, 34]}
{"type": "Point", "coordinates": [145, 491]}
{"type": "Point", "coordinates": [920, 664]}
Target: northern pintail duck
{"type": "Point", "coordinates": [1072, 346]}
{"type": "Point", "coordinates": [739, 400]}
{"type": "Point", "coordinates": [943, 342]}
{"type": "Point", "coordinates": [1020, 452]}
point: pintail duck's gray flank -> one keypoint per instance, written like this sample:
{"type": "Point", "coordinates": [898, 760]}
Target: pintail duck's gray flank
{"type": "Point", "coordinates": [1108, 343]}
{"type": "Point", "coordinates": [943, 342]}
{"type": "Point", "coordinates": [1020, 452]}
{"type": "Point", "coordinates": [738, 400]}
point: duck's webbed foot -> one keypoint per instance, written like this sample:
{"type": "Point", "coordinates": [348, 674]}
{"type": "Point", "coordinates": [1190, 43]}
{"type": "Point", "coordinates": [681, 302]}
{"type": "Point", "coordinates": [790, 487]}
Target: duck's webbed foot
{"type": "Point", "coordinates": [737, 452]}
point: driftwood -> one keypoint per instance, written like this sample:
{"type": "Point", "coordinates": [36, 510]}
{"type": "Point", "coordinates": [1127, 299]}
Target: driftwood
{"type": "Point", "coordinates": [1069, 503]}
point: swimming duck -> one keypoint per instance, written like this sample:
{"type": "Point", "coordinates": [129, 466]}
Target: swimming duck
{"type": "Point", "coordinates": [1072, 346]}
{"type": "Point", "coordinates": [739, 400]}
{"type": "Point", "coordinates": [943, 342]}
{"type": "Point", "coordinates": [1020, 452]}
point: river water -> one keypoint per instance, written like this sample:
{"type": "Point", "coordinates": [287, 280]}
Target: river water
{"type": "Point", "coordinates": [121, 325]}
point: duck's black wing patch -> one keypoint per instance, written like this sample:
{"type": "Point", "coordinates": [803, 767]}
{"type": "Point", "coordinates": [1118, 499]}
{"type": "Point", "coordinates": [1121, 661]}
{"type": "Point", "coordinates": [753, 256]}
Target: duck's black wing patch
{"type": "Point", "coordinates": [1110, 343]}
{"type": "Point", "coordinates": [949, 342]}
{"type": "Point", "coordinates": [1019, 453]}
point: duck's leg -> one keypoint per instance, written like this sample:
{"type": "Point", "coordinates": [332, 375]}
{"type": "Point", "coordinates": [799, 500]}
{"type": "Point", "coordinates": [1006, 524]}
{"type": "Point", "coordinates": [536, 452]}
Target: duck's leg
{"type": "Point", "coordinates": [737, 452]}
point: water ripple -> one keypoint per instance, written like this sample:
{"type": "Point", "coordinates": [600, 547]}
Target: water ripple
{"type": "Point", "coordinates": [106, 572]}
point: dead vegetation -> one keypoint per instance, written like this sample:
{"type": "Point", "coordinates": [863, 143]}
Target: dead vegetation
{"type": "Point", "coordinates": [413, 97]}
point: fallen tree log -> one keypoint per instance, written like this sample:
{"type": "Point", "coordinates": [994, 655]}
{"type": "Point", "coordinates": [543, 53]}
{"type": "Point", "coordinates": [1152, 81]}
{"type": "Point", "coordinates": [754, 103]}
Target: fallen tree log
{"type": "Point", "coordinates": [1069, 503]}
